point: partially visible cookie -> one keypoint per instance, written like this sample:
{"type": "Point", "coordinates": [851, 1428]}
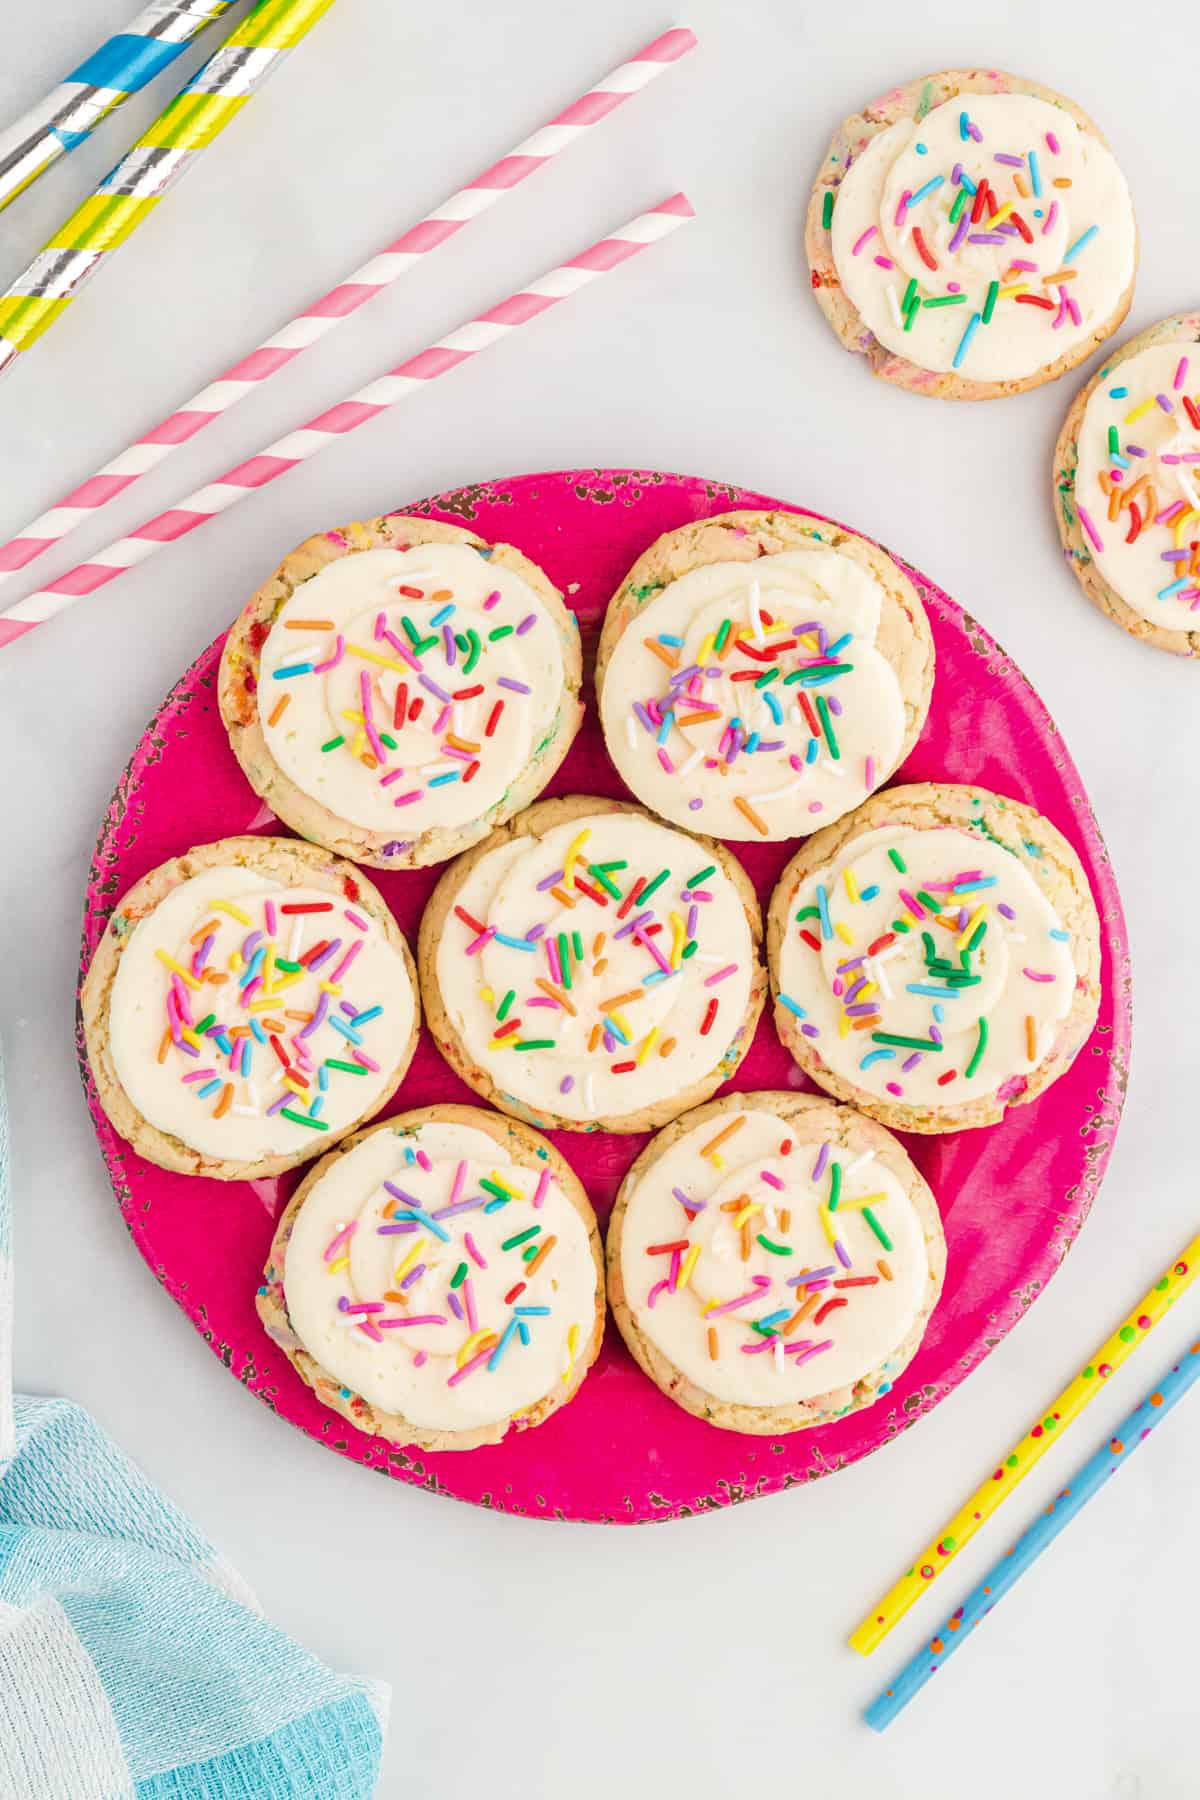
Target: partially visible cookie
{"type": "Point", "coordinates": [971, 234]}
{"type": "Point", "coordinates": [773, 1261]}
{"type": "Point", "coordinates": [438, 1279]}
{"type": "Point", "coordinates": [591, 969]}
{"type": "Point", "coordinates": [1127, 486]}
{"type": "Point", "coordinates": [250, 1003]}
{"type": "Point", "coordinates": [760, 673]}
{"type": "Point", "coordinates": [935, 958]}
{"type": "Point", "coordinates": [399, 688]}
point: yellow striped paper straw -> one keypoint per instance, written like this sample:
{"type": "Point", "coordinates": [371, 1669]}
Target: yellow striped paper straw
{"type": "Point", "coordinates": [130, 193]}
{"type": "Point", "coordinates": [992, 1493]}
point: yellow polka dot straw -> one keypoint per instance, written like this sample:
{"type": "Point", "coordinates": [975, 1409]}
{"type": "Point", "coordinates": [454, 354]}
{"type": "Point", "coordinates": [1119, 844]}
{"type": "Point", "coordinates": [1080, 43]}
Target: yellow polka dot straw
{"type": "Point", "coordinates": [131, 192]}
{"type": "Point", "coordinates": [992, 1493]}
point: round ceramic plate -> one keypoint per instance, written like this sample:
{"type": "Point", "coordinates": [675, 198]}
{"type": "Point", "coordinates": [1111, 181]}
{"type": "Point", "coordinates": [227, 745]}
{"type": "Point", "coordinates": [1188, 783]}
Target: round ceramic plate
{"type": "Point", "coordinates": [1012, 1197]}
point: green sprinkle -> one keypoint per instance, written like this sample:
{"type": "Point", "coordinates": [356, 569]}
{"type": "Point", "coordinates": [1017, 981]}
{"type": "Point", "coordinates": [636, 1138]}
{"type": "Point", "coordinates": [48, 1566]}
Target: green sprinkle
{"type": "Point", "coordinates": [653, 886]}
{"type": "Point", "coordinates": [775, 1249]}
{"type": "Point", "coordinates": [501, 631]}
{"type": "Point", "coordinates": [410, 630]}
{"type": "Point", "coordinates": [827, 209]}
{"type": "Point", "coordinates": [946, 300]}
{"type": "Point", "coordinates": [334, 744]}
{"type": "Point", "coordinates": [910, 294]}
{"type": "Point", "coordinates": [835, 1185]}
{"type": "Point", "coordinates": [204, 1024]}
{"type": "Point", "coordinates": [980, 1047]}
{"type": "Point", "coordinates": [347, 1068]}
{"type": "Point", "coordinates": [877, 1228]}
{"type": "Point", "coordinates": [502, 1009]}
{"type": "Point", "coordinates": [532, 1044]}
{"type": "Point", "coordinates": [959, 203]}
{"type": "Point", "coordinates": [689, 949]}
{"type": "Point", "coordinates": [989, 305]}
{"type": "Point", "coordinates": [827, 726]}
{"type": "Point", "coordinates": [426, 643]}
{"type": "Point", "coordinates": [608, 867]}
{"type": "Point", "coordinates": [389, 741]}
{"type": "Point", "coordinates": [522, 1237]}
{"type": "Point", "coordinates": [693, 881]}
{"type": "Point", "coordinates": [461, 642]}
{"type": "Point", "coordinates": [475, 651]}
{"type": "Point", "coordinates": [303, 1119]}
{"type": "Point", "coordinates": [1114, 441]}
{"type": "Point", "coordinates": [905, 1043]}
{"type": "Point", "coordinates": [762, 681]}
{"type": "Point", "coordinates": [459, 1276]}
{"type": "Point", "coordinates": [901, 925]}
{"type": "Point", "coordinates": [289, 968]}
{"type": "Point", "coordinates": [929, 901]}
{"type": "Point", "coordinates": [899, 861]}
{"type": "Point", "coordinates": [494, 1188]}
{"type": "Point", "coordinates": [577, 946]}
{"type": "Point", "coordinates": [722, 637]}
{"type": "Point", "coordinates": [606, 882]}
{"type": "Point", "coordinates": [976, 936]}
{"type": "Point", "coordinates": [564, 959]}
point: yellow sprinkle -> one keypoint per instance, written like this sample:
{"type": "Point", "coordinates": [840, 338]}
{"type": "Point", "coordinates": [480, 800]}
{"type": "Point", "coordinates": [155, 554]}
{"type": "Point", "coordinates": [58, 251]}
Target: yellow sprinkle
{"type": "Point", "coordinates": [678, 934]}
{"type": "Point", "coordinates": [387, 662]}
{"type": "Point", "coordinates": [471, 1346]}
{"type": "Point", "coordinates": [512, 1192]}
{"type": "Point", "coordinates": [979, 913]}
{"type": "Point", "coordinates": [358, 742]}
{"type": "Point", "coordinates": [747, 1212]}
{"type": "Point", "coordinates": [827, 1225]}
{"type": "Point", "coordinates": [717, 1160]}
{"type": "Point", "coordinates": [846, 936]}
{"type": "Point", "coordinates": [193, 1037]}
{"type": "Point", "coordinates": [343, 1262]}
{"type": "Point", "coordinates": [1018, 287]}
{"type": "Point", "coordinates": [851, 884]}
{"type": "Point", "coordinates": [331, 987]}
{"type": "Point", "coordinates": [236, 963]}
{"type": "Point", "coordinates": [706, 649]}
{"type": "Point", "coordinates": [864, 1200]}
{"type": "Point", "coordinates": [177, 969]}
{"type": "Point", "coordinates": [572, 1345]}
{"type": "Point", "coordinates": [647, 1045]}
{"type": "Point", "coordinates": [235, 912]}
{"type": "Point", "coordinates": [488, 996]}
{"type": "Point", "coordinates": [297, 1087]}
{"type": "Point", "coordinates": [573, 849]}
{"type": "Point", "coordinates": [1183, 526]}
{"type": "Point", "coordinates": [998, 218]}
{"type": "Point", "coordinates": [622, 1023]}
{"type": "Point", "coordinates": [843, 1026]}
{"type": "Point", "coordinates": [1140, 412]}
{"type": "Point", "coordinates": [414, 1256]}
{"type": "Point", "coordinates": [864, 993]}
{"type": "Point", "coordinates": [688, 1265]}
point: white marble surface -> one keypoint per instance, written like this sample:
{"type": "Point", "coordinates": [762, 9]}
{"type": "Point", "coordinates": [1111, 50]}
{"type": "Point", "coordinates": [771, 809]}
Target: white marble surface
{"type": "Point", "coordinates": [707, 1657]}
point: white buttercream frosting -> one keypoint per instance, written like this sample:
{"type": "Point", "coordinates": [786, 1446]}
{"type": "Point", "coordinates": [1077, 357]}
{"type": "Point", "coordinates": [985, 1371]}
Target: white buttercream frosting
{"type": "Point", "coordinates": [790, 723]}
{"type": "Point", "coordinates": [1056, 225]}
{"type": "Point", "coordinates": [938, 939]}
{"type": "Point", "coordinates": [240, 955]}
{"type": "Point", "coordinates": [440, 1279]}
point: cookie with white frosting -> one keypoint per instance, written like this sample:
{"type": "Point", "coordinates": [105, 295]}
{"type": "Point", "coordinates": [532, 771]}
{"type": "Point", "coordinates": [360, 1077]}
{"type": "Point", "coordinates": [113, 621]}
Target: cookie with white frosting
{"type": "Point", "coordinates": [438, 1279]}
{"type": "Point", "coordinates": [773, 1261]}
{"type": "Point", "coordinates": [935, 958]}
{"type": "Point", "coordinates": [399, 688]}
{"type": "Point", "coordinates": [250, 1003]}
{"type": "Point", "coordinates": [1127, 486]}
{"type": "Point", "coordinates": [760, 673]}
{"type": "Point", "coordinates": [971, 234]}
{"type": "Point", "coordinates": [589, 968]}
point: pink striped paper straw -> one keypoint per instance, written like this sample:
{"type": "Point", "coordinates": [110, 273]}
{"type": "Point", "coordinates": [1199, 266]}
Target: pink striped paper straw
{"type": "Point", "coordinates": [448, 353]}
{"type": "Point", "coordinates": [310, 326]}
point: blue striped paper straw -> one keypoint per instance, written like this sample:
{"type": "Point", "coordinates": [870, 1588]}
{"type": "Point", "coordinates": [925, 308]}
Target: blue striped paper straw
{"type": "Point", "coordinates": [1090, 1479]}
{"type": "Point", "coordinates": [102, 82]}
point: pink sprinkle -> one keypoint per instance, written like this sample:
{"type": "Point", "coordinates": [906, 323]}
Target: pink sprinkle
{"type": "Point", "coordinates": [715, 1312]}
{"type": "Point", "coordinates": [815, 806]}
{"type": "Point", "coordinates": [885, 262]}
{"type": "Point", "coordinates": [902, 208]}
{"type": "Point", "coordinates": [729, 969]}
{"type": "Point", "coordinates": [469, 1367]}
{"type": "Point", "coordinates": [407, 799]}
{"type": "Point", "coordinates": [1052, 143]}
{"type": "Point", "coordinates": [485, 937]}
{"type": "Point", "coordinates": [420, 1359]}
{"type": "Point", "coordinates": [356, 919]}
{"type": "Point", "coordinates": [866, 237]}
{"type": "Point", "coordinates": [869, 772]}
{"type": "Point", "coordinates": [492, 600]}
{"type": "Point", "coordinates": [269, 914]}
{"type": "Point", "coordinates": [473, 1251]}
{"type": "Point", "coordinates": [339, 650]}
{"type": "Point", "coordinates": [1032, 266]}
{"type": "Point", "coordinates": [360, 1056]}
{"type": "Point", "coordinates": [892, 1088]}
{"type": "Point", "coordinates": [1049, 220]}
{"type": "Point", "coordinates": [665, 760]}
{"type": "Point", "coordinates": [423, 1161]}
{"type": "Point", "coordinates": [771, 1180]}
{"type": "Point", "coordinates": [1180, 373]}
{"type": "Point", "coordinates": [469, 1303]}
{"type": "Point", "coordinates": [1036, 975]}
{"type": "Point", "coordinates": [659, 1288]}
{"type": "Point", "coordinates": [539, 1193]}
{"type": "Point", "coordinates": [344, 965]}
{"type": "Point", "coordinates": [1085, 520]}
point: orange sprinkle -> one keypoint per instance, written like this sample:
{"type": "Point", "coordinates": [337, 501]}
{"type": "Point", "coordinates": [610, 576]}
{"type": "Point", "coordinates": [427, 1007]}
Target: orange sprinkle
{"type": "Point", "coordinates": [802, 1313]}
{"type": "Point", "coordinates": [598, 943]}
{"type": "Point", "coordinates": [712, 1343]}
{"type": "Point", "coordinates": [746, 1241]}
{"type": "Point", "coordinates": [599, 968]}
{"type": "Point", "coordinates": [212, 975]}
{"type": "Point", "coordinates": [716, 1142]}
{"type": "Point", "coordinates": [309, 625]}
{"type": "Point", "coordinates": [279, 708]}
{"type": "Point", "coordinates": [302, 1017]}
{"type": "Point", "coordinates": [884, 1269]}
{"type": "Point", "coordinates": [1060, 275]}
{"type": "Point", "coordinates": [736, 1204]}
{"type": "Point", "coordinates": [748, 812]}
{"type": "Point", "coordinates": [662, 654]}
{"type": "Point", "coordinates": [698, 718]}
{"type": "Point", "coordinates": [224, 1103]}
{"type": "Point", "coordinates": [623, 999]}
{"type": "Point", "coordinates": [1030, 1038]}
{"type": "Point", "coordinates": [460, 743]}
{"type": "Point", "coordinates": [396, 1297]}
{"type": "Point", "coordinates": [557, 993]}
{"type": "Point", "coordinates": [785, 1219]}
{"type": "Point", "coordinates": [442, 594]}
{"type": "Point", "coordinates": [666, 1047]}
{"type": "Point", "coordinates": [594, 1039]}
{"type": "Point", "coordinates": [532, 1267]}
{"type": "Point", "coordinates": [560, 894]}
{"type": "Point", "coordinates": [1022, 186]}
{"type": "Point", "coordinates": [1062, 181]}
{"type": "Point", "coordinates": [198, 936]}
{"type": "Point", "coordinates": [164, 1044]}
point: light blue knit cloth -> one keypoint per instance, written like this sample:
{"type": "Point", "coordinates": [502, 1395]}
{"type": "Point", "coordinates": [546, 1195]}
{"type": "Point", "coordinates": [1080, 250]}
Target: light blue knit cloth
{"type": "Point", "coordinates": [133, 1662]}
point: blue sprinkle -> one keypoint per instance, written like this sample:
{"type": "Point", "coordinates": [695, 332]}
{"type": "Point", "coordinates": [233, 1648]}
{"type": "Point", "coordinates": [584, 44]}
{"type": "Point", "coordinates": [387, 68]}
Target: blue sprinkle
{"type": "Point", "coordinates": [293, 669]}
{"type": "Point", "coordinates": [323, 1078]}
{"type": "Point", "coordinates": [514, 943]}
{"type": "Point", "coordinates": [667, 637]}
{"type": "Point", "coordinates": [1064, 937]}
{"type": "Point", "coordinates": [664, 730]}
{"type": "Point", "coordinates": [810, 755]}
{"type": "Point", "coordinates": [442, 614]}
{"type": "Point", "coordinates": [823, 908]}
{"type": "Point", "coordinates": [1121, 393]}
{"type": "Point", "coordinates": [210, 1087]}
{"type": "Point", "coordinates": [792, 1007]}
{"type": "Point", "coordinates": [874, 1056]}
{"type": "Point", "coordinates": [931, 187]}
{"type": "Point", "coordinates": [870, 893]}
{"type": "Point", "coordinates": [1035, 174]}
{"type": "Point", "coordinates": [441, 780]}
{"type": "Point", "coordinates": [1080, 243]}
{"type": "Point", "coordinates": [964, 342]}
{"type": "Point", "coordinates": [773, 706]}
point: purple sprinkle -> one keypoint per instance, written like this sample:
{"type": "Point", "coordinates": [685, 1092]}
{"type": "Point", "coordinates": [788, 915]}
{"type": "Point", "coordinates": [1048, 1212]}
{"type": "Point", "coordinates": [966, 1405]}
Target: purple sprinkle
{"type": "Point", "coordinates": [695, 805]}
{"type": "Point", "coordinates": [413, 1275]}
{"type": "Point", "coordinates": [550, 881]}
{"type": "Point", "coordinates": [566, 1084]}
{"type": "Point", "coordinates": [278, 1105]}
{"type": "Point", "coordinates": [910, 1063]}
{"type": "Point", "coordinates": [439, 693]}
{"type": "Point", "coordinates": [839, 1250]}
{"type": "Point", "coordinates": [527, 624]}
{"type": "Point", "coordinates": [822, 1160]}
{"type": "Point", "coordinates": [809, 1031]}
{"type": "Point", "coordinates": [515, 687]}
{"type": "Point", "coordinates": [452, 1302]}
{"type": "Point", "coordinates": [1012, 162]}
{"type": "Point", "coordinates": [1005, 911]}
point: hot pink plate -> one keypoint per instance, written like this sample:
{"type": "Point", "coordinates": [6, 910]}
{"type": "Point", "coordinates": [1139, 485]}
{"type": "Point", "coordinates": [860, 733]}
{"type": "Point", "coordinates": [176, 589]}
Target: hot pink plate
{"type": "Point", "coordinates": [1012, 1197]}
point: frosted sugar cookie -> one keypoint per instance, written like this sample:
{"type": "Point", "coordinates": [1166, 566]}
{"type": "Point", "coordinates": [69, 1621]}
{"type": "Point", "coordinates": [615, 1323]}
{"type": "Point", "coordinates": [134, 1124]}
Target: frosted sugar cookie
{"type": "Point", "coordinates": [591, 969]}
{"type": "Point", "coordinates": [773, 1261]}
{"type": "Point", "coordinates": [971, 235]}
{"type": "Point", "coordinates": [935, 958]}
{"type": "Point", "coordinates": [399, 688]}
{"type": "Point", "coordinates": [759, 674]}
{"type": "Point", "coordinates": [438, 1279]}
{"type": "Point", "coordinates": [1127, 486]}
{"type": "Point", "coordinates": [250, 1003]}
